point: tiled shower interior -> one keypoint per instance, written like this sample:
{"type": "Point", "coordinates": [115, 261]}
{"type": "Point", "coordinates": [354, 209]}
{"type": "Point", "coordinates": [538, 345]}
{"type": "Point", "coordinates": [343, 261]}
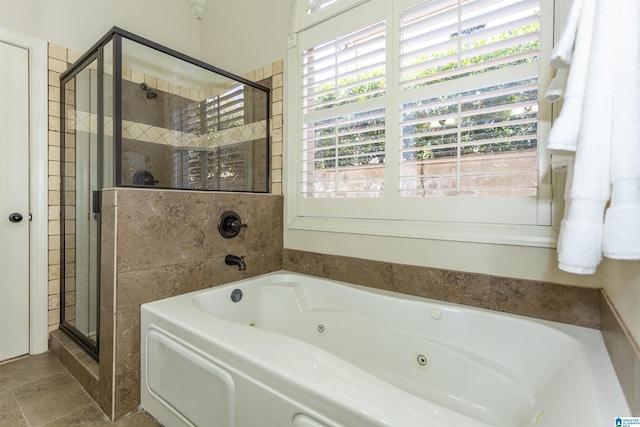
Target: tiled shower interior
{"type": "Point", "coordinates": [188, 255]}
{"type": "Point", "coordinates": [157, 153]}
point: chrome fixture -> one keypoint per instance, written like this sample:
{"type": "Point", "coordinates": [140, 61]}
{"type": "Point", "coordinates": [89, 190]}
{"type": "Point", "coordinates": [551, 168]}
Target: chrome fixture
{"type": "Point", "coordinates": [229, 224]}
{"type": "Point", "coordinates": [236, 260]}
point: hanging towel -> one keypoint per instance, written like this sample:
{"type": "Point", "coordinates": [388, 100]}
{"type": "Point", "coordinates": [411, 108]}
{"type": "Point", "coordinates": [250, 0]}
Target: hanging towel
{"type": "Point", "coordinates": [621, 238]}
{"type": "Point", "coordinates": [566, 128]}
{"type": "Point", "coordinates": [580, 240]}
{"type": "Point", "coordinates": [563, 51]}
{"type": "Point", "coordinates": [555, 91]}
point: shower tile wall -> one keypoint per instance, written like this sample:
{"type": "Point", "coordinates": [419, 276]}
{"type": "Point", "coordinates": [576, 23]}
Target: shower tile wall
{"type": "Point", "coordinates": [161, 243]}
{"type": "Point", "coordinates": [60, 59]}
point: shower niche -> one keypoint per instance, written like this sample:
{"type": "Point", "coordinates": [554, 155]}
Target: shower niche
{"type": "Point", "coordinates": [137, 114]}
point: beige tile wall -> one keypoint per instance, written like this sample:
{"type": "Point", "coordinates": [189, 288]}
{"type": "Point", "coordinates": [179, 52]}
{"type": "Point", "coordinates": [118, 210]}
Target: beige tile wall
{"type": "Point", "coordinates": [59, 60]}
{"type": "Point", "coordinates": [272, 75]}
{"type": "Point", "coordinates": [624, 353]}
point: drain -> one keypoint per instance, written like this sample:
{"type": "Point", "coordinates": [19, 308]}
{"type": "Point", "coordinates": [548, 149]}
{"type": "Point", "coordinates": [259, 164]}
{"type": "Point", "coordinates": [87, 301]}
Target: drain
{"type": "Point", "coordinates": [423, 361]}
{"type": "Point", "coordinates": [321, 329]}
{"type": "Point", "coordinates": [236, 295]}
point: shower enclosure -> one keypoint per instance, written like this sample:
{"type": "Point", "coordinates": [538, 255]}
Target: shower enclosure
{"type": "Point", "coordinates": [137, 114]}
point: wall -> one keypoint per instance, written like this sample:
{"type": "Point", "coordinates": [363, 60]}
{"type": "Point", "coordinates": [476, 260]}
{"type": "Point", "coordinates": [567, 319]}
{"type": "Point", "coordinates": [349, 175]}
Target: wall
{"type": "Point", "coordinates": [241, 35]}
{"type": "Point", "coordinates": [161, 243]}
{"type": "Point", "coordinates": [78, 24]}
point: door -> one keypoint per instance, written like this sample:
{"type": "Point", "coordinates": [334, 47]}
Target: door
{"type": "Point", "coordinates": [14, 201]}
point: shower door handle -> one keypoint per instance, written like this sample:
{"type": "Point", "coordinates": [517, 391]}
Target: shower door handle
{"type": "Point", "coordinates": [15, 217]}
{"type": "Point", "coordinates": [96, 202]}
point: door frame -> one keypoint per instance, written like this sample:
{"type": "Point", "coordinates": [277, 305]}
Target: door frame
{"type": "Point", "coordinates": [38, 186]}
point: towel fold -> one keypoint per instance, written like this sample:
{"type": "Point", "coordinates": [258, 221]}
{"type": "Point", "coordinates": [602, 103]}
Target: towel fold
{"type": "Point", "coordinates": [566, 128]}
{"type": "Point", "coordinates": [580, 240]}
{"type": "Point", "coordinates": [563, 51]}
{"type": "Point", "coordinates": [579, 247]}
{"type": "Point", "coordinates": [555, 91]}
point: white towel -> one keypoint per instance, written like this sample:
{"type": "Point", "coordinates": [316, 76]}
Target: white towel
{"type": "Point", "coordinates": [563, 50]}
{"type": "Point", "coordinates": [566, 128]}
{"type": "Point", "coordinates": [621, 239]}
{"type": "Point", "coordinates": [555, 91]}
{"type": "Point", "coordinates": [581, 231]}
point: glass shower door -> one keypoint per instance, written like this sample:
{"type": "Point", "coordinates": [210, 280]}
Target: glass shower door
{"type": "Point", "coordinates": [81, 201]}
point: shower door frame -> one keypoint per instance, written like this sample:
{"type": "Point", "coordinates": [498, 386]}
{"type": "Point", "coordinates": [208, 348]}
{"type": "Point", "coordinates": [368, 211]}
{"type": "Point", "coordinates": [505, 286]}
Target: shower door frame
{"type": "Point", "coordinates": [96, 54]}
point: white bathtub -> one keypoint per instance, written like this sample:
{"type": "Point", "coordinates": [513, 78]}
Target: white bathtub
{"type": "Point", "coordinates": [306, 352]}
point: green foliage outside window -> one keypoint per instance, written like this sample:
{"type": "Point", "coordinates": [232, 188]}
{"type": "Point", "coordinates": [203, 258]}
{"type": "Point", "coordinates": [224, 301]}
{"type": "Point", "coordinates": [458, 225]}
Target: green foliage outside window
{"type": "Point", "coordinates": [361, 142]}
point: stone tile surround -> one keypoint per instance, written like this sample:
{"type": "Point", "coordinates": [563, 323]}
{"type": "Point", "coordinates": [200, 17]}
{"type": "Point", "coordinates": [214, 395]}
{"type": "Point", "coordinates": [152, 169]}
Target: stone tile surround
{"type": "Point", "coordinates": [161, 243]}
{"type": "Point", "coordinates": [623, 351]}
{"type": "Point", "coordinates": [568, 304]}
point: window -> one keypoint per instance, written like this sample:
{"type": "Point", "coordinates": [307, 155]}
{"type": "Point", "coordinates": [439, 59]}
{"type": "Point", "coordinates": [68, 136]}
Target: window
{"type": "Point", "coordinates": [224, 165]}
{"type": "Point", "coordinates": [343, 116]}
{"type": "Point", "coordinates": [422, 111]}
{"type": "Point", "coordinates": [466, 128]}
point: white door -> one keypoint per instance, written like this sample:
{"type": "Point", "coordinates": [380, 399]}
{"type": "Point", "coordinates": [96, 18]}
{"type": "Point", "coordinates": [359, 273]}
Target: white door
{"type": "Point", "coordinates": [14, 201]}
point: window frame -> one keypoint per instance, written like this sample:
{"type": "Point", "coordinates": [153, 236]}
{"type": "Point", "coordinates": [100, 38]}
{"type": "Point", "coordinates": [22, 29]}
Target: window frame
{"type": "Point", "coordinates": [428, 218]}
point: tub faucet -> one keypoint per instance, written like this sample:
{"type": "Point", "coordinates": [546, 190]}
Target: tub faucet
{"type": "Point", "coordinates": [236, 260]}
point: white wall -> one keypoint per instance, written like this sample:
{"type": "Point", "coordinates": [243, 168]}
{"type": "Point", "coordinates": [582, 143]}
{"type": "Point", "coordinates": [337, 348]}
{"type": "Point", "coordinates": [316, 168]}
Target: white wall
{"type": "Point", "coordinates": [78, 24]}
{"type": "Point", "coordinates": [622, 285]}
{"type": "Point", "coordinates": [243, 35]}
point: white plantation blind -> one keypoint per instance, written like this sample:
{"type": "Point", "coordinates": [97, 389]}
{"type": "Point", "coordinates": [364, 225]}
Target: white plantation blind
{"type": "Point", "coordinates": [343, 130]}
{"type": "Point", "coordinates": [219, 168]}
{"type": "Point", "coordinates": [423, 114]}
{"type": "Point", "coordinates": [469, 90]}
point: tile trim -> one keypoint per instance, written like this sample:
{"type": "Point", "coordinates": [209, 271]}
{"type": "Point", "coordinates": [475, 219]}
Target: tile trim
{"type": "Point", "coordinates": [623, 351]}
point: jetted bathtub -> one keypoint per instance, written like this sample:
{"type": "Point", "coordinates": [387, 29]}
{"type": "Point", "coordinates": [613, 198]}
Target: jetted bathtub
{"type": "Point", "coordinates": [286, 349]}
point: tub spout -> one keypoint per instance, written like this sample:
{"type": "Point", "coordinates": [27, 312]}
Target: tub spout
{"type": "Point", "coordinates": [236, 260]}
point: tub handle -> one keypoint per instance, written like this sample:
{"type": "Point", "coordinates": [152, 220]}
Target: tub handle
{"type": "Point", "coordinates": [229, 224]}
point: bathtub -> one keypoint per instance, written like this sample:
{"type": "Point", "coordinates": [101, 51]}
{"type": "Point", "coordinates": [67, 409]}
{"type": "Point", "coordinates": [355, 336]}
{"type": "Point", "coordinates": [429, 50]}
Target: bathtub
{"type": "Point", "coordinates": [286, 349]}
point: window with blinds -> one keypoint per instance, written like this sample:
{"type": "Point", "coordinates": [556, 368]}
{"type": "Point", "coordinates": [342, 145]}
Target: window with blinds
{"type": "Point", "coordinates": [343, 130]}
{"type": "Point", "coordinates": [212, 114]}
{"type": "Point", "coordinates": [425, 111]}
{"type": "Point", "coordinates": [220, 168]}
{"type": "Point", "coordinates": [469, 90]}
{"type": "Point", "coordinates": [213, 168]}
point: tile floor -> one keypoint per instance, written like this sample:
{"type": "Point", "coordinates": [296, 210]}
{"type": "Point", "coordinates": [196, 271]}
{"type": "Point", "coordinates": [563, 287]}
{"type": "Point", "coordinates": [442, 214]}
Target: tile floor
{"type": "Point", "coordinates": [38, 391]}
